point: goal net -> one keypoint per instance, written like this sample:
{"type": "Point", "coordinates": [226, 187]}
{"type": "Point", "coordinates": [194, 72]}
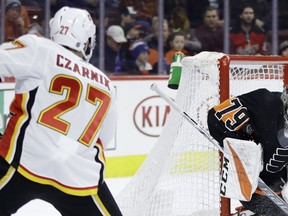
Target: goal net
{"type": "Point", "coordinates": [181, 174]}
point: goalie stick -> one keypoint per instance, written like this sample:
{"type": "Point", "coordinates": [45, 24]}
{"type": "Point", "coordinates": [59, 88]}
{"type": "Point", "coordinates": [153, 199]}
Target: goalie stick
{"type": "Point", "coordinates": [261, 184]}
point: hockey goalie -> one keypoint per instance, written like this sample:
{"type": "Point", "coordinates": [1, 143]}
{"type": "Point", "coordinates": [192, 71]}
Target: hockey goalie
{"type": "Point", "coordinates": [253, 130]}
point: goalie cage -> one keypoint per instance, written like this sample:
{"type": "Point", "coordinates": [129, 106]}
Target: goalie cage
{"type": "Point", "coordinates": [181, 174]}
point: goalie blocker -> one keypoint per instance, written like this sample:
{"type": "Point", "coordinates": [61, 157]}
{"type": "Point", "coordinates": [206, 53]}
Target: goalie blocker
{"type": "Point", "coordinates": [242, 164]}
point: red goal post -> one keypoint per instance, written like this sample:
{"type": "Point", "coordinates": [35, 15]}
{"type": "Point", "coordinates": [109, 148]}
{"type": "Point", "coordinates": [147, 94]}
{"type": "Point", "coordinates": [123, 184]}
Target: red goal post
{"type": "Point", "coordinates": [181, 174]}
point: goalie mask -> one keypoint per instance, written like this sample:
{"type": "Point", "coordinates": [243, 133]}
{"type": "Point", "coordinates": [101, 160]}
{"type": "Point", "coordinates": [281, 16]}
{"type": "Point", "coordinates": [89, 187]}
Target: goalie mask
{"type": "Point", "coordinates": [74, 28]}
{"type": "Point", "coordinates": [284, 98]}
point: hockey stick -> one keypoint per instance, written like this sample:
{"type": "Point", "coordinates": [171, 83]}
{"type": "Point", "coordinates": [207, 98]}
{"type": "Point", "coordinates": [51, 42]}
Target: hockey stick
{"type": "Point", "coordinates": [261, 184]}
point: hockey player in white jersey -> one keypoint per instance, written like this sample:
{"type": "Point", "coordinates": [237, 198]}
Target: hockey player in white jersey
{"type": "Point", "coordinates": [63, 117]}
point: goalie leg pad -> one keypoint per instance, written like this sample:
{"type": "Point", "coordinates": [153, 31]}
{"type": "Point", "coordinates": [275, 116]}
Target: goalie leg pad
{"type": "Point", "coordinates": [242, 164]}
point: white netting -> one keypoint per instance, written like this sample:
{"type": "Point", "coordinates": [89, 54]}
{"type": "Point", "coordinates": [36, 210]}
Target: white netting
{"type": "Point", "coordinates": [181, 174]}
{"type": "Point", "coordinates": [245, 78]}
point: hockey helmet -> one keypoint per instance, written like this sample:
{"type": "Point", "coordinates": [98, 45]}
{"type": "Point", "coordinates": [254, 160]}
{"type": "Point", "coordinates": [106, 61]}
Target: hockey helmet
{"type": "Point", "coordinates": [74, 28]}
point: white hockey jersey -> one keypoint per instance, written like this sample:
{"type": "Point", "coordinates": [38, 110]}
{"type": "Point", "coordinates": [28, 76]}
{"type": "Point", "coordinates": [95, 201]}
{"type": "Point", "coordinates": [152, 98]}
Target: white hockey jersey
{"type": "Point", "coordinates": [63, 115]}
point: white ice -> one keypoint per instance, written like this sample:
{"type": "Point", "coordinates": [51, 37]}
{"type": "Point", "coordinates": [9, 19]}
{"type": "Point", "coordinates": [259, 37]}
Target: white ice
{"type": "Point", "coordinates": [38, 207]}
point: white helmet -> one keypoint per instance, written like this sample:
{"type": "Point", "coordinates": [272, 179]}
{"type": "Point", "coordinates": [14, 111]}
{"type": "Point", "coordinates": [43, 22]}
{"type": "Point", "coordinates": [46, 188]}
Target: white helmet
{"type": "Point", "coordinates": [74, 28]}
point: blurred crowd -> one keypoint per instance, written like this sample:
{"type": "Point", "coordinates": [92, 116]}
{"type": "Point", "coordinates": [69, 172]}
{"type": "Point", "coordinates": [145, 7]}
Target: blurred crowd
{"type": "Point", "coordinates": [132, 29]}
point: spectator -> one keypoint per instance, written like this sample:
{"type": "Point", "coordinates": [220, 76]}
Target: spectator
{"type": "Point", "coordinates": [180, 22]}
{"type": "Point", "coordinates": [17, 20]}
{"type": "Point", "coordinates": [140, 54]}
{"type": "Point", "coordinates": [147, 9]}
{"type": "Point", "coordinates": [194, 9]}
{"type": "Point", "coordinates": [263, 13]}
{"type": "Point", "coordinates": [128, 15]}
{"type": "Point", "coordinates": [262, 10]}
{"type": "Point", "coordinates": [152, 40]}
{"type": "Point", "coordinates": [283, 48]}
{"type": "Point", "coordinates": [114, 53]}
{"type": "Point", "coordinates": [136, 31]}
{"type": "Point", "coordinates": [176, 43]}
{"type": "Point", "coordinates": [211, 32]}
{"type": "Point", "coordinates": [130, 21]}
{"type": "Point", "coordinates": [246, 38]}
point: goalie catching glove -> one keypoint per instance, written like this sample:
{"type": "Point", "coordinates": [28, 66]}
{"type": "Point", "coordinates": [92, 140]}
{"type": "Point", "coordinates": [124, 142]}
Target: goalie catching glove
{"type": "Point", "coordinates": [242, 164]}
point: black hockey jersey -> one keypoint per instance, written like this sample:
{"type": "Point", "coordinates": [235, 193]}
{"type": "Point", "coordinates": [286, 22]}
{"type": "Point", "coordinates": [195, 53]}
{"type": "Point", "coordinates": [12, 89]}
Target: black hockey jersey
{"type": "Point", "coordinates": [257, 116]}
